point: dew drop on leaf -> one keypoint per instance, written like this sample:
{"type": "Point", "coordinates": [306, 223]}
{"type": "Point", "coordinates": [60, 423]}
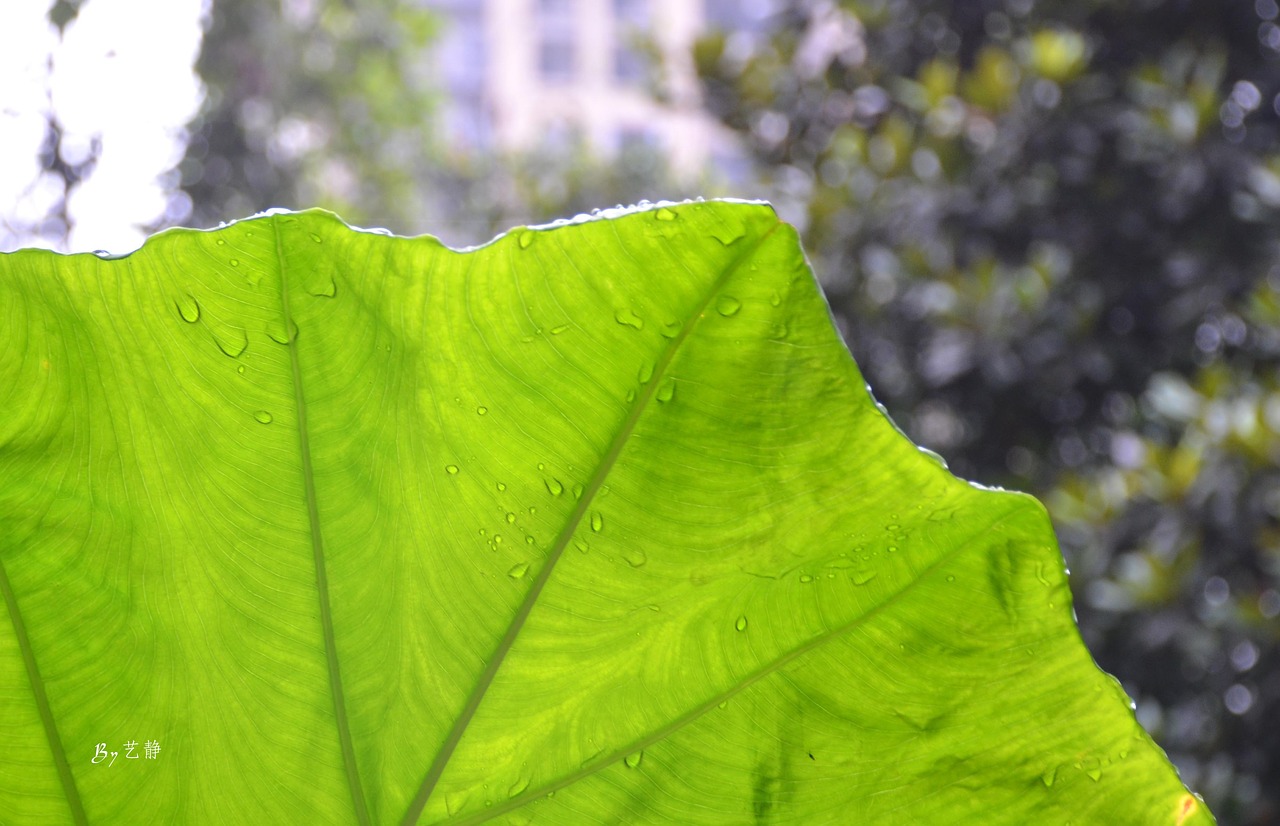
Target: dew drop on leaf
{"type": "Point", "coordinates": [862, 577]}
{"type": "Point", "coordinates": [670, 329]}
{"type": "Point", "coordinates": [501, 486]}
{"type": "Point", "coordinates": [328, 289]}
{"type": "Point", "coordinates": [188, 309]}
{"type": "Point", "coordinates": [451, 469]}
{"type": "Point", "coordinates": [221, 243]}
{"type": "Point", "coordinates": [774, 298]}
{"type": "Point", "coordinates": [235, 262]}
{"type": "Point", "coordinates": [317, 238]}
{"type": "Point", "coordinates": [511, 518]}
{"type": "Point", "coordinates": [263, 416]}
{"type": "Point", "coordinates": [482, 410]}
{"type": "Point", "coordinates": [555, 331]}
{"type": "Point", "coordinates": [667, 391]}
{"type": "Point", "coordinates": [554, 486]}
{"type": "Point", "coordinates": [635, 558]}
{"type": "Point", "coordinates": [518, 570]}
{"type": "Point", "coordinates": [597, 522]}
{"type": "Point", "coordinates": [951, 579]}
{"type": "Point", "coordinates": [240, 369]}
{"type": "Point", "coordinates": [454, 801]}
{"type": "Point", "coordinates": [806, 578]}
{"type": "Point", "coordinates": [633, 760]}
{"type": "Point", "coordinates": [497, 539]}
{"type": "Point", "coordinates": [577, 491]}
{"type": "Point", "coordinates": [741, 624]}
{"type": "Point", "coordinates": [232, 341]}
{"type": "Point", "coordinates": [626, 317]}
{"type": "Point", "coordinates": [525, 238]}
{"type": "Point", "coordinates": [665, 214]}
{"type": "Point", "coordinates": [580, 545]}
{"type": "Point", "coordinates": [517, 787]}
{"type": "Point", "coordinates": [276, 332]}
{"type": "Point", "coordinates": [727, 305]}
{"type": "Point", "coordinates": [646, 372]}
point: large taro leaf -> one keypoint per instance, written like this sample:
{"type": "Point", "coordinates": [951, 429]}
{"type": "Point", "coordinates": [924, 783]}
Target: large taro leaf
{"type": "Point", "coordinates": [595, 524]}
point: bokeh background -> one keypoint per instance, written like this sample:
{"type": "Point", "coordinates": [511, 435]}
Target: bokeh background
{"type": "Point", "coordinates": [1047, 229]}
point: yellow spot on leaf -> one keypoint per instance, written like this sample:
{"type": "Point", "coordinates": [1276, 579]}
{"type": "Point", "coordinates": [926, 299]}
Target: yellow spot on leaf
{"type": "Point", "coordinates": [1186, 808]}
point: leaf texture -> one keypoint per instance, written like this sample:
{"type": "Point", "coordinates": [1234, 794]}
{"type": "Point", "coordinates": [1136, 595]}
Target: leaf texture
{"type": "Point", "coordinates": [597, 523]}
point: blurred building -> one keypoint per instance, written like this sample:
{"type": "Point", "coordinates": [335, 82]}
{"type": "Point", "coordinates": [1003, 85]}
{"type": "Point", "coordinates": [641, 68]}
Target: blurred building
{"type": "Point", "coordinates": [524, 74]}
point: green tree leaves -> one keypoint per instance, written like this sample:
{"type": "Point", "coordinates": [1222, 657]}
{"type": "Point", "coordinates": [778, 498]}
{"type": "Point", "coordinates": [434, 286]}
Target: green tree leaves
{"type": "Point", "coordinates": [594, 523]}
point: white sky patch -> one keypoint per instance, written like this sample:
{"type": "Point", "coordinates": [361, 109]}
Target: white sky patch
{"type": "Point", "coordinates": [123, 76]}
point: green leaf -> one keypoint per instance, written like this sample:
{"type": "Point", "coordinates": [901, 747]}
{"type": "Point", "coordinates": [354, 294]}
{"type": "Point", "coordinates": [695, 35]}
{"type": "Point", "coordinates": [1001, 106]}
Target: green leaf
{"type": "Point", "coordinates": [596, 523]}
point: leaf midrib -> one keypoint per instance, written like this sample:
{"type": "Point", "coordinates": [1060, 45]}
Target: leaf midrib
{"type": "Point", "coordinates": [606, 466]}
{"type": "Point", "coordinates": [317, 547]}
{"type": "Point", "coordinates": [690, 716]}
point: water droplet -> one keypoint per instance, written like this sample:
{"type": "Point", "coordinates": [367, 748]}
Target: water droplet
{"type": "Point", "coordinates": [892, 527]}
{"type": "Point", "coordinates": [263, 416]}
{"type": "Point", "coordinates": [806, 578]}
{"type": "Point", "coordinates": [741, 624]}
{"type": "Point", "coordinates": [529, 540]}
{"type": "Point", "coordinates": [577, 491]}
{"type": "Point", "coordinates": [893, 549]}
{"type": "Point", "coordinates": [723, 705]}
{"type": "Point", "coordinates": [555, 331]}
{"type": "Point", "coordinates": [235, 262]}
{"type": "Point", "coordinates": [633, 760]}
{"type": "Point", "coordinates": [518, 570]}
{"type": "Point", "coordinates": [727, 305]}
{"type": "Point", "coordinates": [454, 801]}
{"type": "Point", "coordinates": [665, 214]}
{"type": "Point", "coordinates": [597, 522]}
{"type": "Point", "coordinates": [775, 299]}
{"type": "Point", "coordinates": [635, 558]}
{"type": "Point", "coordinates": [188, 309]}
{"type": "Point", "coordinates": [627, 317]}
{"type": "Point", "coordinates": [525, 238]}
{"type": "Point", "coordinates": [517, 787]}
{"type": "Point", "coordinates": [655, 609]}
{"type": "Point", "coordinates": [232, 341]}
{"type": "Point", "coordinates": [667, 391]}
{"type": "Point", "coordinates": [541, 466]}
{"type": "Point", "coordinates": [276, 332]}
{"type": "Point", "coordinates": [328, 289]}
{"type": "Point", "coordinates": [951, 579]}
{"type": "Point", "coordinates": [862, 577]}
{"type": "Point", "coordinates": [670, 329]}
{"type": "Point", "coordinates": [511, 518]}
{"type": "Point", "coordinates": [240, 369]}
{"type": "Point", "coordinates": [482, 410]}
{"type": "Point", "coordinates": [317, 238]}
{"type": "Point", "coordinates": [646, 372]}
{"type": "Point", "coordinates": [451, 469]}
{"type": "Point", "coordinates": [221, 243]}
{"type": "Point", "coordinates": [580, 545]}
{"type": "Point", "coordinates": [631, 395]}
{"type": "Point", "coordinates": [727, 235]}
{"type": "Point", "coordinates": [497, 539]}
{"type": "Point", "coordinates": [501, 486]}
{"type": "Point", "coordinates": [554, 486]}
{"type": "Point", "coordinates": [1050, 775]}
{"type": "Point", "coordinates": [532, 510]}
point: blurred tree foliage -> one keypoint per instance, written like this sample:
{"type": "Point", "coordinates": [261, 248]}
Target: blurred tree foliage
{"type": "Point", "coordinates": [335, 104]}
{"type": "Point", "coordinates": [315, 102]}
{"type": "Point", "coordinates": [1049, 231]}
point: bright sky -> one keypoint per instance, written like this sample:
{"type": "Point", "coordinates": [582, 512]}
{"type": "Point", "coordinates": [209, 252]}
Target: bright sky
{"type": "Point", "coordinates": [122, 75]}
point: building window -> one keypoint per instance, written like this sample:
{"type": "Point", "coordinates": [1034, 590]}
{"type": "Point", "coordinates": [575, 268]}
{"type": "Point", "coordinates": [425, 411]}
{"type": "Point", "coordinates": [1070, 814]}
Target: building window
{"type": "Point", "coordinates": [630, 22]}
{"type": "Point", "coordinates": [556, 59]}
{"type": "Point", "coordinates": [557, 48]}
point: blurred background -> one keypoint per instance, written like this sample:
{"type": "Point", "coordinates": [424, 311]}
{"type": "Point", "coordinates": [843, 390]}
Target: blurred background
{"type": "Point", "coordinates": [1047, 229]}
